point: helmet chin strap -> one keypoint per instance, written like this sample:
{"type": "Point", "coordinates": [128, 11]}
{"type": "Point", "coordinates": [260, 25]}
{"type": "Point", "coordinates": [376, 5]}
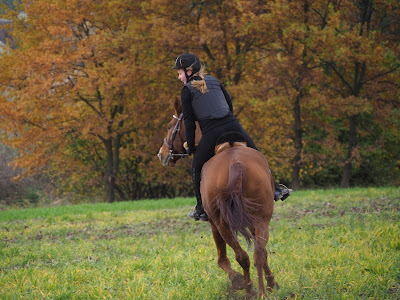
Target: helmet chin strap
{"type": "Point", "coordinates": [187, 76]}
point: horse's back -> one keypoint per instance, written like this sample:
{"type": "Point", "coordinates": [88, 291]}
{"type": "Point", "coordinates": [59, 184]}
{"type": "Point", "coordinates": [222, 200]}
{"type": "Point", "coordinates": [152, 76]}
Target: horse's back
{"type": "Point", "coordinates": [258, 186]}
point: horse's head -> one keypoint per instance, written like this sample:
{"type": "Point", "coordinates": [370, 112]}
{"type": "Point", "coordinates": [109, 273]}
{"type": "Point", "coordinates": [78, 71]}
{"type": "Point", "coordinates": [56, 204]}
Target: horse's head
{"type": "Point", "coordinates": [172, 148]}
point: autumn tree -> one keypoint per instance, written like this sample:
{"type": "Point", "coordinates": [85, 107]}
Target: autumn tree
{"type": "Point", "coordinates": [298, 74]}
{"type": "Point", "coordinates": [87, 91]}
{"type": "Point", "coordinates": [79, 87]}
{"type": "Point", "coordinates": [290, 76]}
{"type": "Point", "coordinates": [222, 33]}
{"type": "Point", "coordinates": [360, 50]}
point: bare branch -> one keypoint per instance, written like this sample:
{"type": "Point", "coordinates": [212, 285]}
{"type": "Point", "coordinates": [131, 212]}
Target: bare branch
{"type": "Point", "coordinates": [333, 67]}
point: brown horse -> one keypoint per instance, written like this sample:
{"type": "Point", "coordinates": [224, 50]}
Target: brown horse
{"type": "Point", "coordinates": [238, 195]}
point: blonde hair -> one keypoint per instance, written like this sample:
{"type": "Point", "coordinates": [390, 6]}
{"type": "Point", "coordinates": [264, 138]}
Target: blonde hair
{"type": "Point", "coordinates": [200, 84]}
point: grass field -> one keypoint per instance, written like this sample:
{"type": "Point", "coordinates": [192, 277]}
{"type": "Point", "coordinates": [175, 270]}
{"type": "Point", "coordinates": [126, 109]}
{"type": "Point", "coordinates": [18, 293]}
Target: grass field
{"type": "Point", "coordinates": [324, 244]}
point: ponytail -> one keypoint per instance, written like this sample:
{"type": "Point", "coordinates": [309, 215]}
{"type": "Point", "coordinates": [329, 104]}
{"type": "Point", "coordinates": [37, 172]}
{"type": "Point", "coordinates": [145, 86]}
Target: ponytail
{"type": "Point", "coordinates": [200, 84]}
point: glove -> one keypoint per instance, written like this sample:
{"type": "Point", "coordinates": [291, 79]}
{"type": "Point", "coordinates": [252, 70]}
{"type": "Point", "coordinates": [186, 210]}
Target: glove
{"type": "Point", "coordinates": [191, 150]}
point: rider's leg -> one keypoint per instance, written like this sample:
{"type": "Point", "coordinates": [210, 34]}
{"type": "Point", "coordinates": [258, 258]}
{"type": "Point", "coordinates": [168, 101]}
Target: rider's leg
{"type": "Point", "coordinates": [198, 213]}
{"type": "Point", "coordinates": [204, 151]}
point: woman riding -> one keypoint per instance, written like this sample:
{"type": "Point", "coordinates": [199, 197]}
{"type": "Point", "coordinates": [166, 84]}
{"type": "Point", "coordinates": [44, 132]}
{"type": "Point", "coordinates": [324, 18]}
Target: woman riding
{"type": "Point", "coordinates": [204, 99]}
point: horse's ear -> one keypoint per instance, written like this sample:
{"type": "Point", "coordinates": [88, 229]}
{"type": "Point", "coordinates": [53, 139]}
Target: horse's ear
{"type": "Point", "coordinates": [178, 106]}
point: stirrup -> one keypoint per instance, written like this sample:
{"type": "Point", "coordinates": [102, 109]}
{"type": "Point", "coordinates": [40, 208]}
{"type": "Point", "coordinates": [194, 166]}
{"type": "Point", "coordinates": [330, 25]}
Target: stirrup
{"type": "Point", "coordinates": [285, 192]}
{"type": "Point", "coordinates": [198, 214]}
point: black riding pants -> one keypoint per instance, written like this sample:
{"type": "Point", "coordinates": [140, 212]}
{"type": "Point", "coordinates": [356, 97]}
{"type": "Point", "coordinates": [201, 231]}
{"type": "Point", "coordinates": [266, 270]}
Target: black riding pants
{"type": "Point", "coordinates": [205, 150]}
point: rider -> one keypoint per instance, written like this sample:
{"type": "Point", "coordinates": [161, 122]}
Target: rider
{"type": "Point", "coordinates": [204, 99]}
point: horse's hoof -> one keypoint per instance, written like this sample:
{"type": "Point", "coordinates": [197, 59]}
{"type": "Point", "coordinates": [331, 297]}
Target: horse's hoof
{"type": "Point", "coordinates": [251, 294]}
{"type": "Point", "coordinates": [237, 281]}
{"type": "Point", "coordinates": [275, 285]}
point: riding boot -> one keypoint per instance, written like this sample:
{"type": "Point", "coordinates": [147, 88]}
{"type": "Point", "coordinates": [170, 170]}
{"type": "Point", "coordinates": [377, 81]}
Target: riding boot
{"type": "Point", "coordinates": [198, 213]}
{"type": "Point", "coordinates": [281, 192]}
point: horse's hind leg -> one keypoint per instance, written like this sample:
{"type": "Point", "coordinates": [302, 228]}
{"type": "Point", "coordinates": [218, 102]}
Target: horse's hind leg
{"type": "Point", "coordinates": [238, 280]}
{"type": "Point", "coordinates": [261, 260]}
{"type": "Point", "coordinates": [223, 260]}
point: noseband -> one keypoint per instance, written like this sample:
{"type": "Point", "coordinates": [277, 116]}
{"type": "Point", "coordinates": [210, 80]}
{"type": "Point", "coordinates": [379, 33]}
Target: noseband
{"type": "Point", "coordinates": [176, 130]}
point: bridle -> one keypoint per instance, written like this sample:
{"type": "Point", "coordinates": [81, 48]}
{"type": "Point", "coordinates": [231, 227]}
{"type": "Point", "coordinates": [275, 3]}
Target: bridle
{"type": "Point", "coordinates": [176, 131]}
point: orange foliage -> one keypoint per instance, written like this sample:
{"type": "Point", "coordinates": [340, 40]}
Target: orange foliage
{"type": "Point", "coordinates": [83, 88]}
{"type": "Point", "coordinates": [87, 91]}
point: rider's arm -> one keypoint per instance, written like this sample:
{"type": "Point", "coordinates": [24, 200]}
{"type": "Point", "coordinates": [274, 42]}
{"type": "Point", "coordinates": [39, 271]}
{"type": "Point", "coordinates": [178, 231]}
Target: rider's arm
{"type": "Point", "coordinates": [188, 116]}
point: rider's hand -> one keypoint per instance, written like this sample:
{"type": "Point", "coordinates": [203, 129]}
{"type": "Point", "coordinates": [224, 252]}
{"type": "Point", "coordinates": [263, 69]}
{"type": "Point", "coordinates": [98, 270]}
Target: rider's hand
{"type": "Point", "coordinates": [191, 150]}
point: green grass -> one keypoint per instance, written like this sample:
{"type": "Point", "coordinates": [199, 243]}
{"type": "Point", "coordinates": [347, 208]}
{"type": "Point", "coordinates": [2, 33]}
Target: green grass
{"type": "Point", "coordinates": [33, 213]}
{"type": "Point", "coordinates": [324, 244]}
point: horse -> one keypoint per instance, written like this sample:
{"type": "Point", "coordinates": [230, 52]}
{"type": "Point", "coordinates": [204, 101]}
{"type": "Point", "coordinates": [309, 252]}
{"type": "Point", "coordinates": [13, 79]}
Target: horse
{"type": "Point", "coordinates": [238, 196]}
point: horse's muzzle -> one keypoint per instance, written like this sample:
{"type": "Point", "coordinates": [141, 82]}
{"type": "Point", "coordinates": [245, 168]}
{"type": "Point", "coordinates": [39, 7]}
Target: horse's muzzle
{"type": "Point", "coordinates": [165, 159]}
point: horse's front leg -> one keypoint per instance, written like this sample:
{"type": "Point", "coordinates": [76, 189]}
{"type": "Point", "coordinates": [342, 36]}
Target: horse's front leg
{"type": "Point", "coordinates": [236, 278]}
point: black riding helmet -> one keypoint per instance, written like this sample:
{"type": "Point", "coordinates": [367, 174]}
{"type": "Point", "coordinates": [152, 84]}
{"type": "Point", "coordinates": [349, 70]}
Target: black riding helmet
{"type": "Point", "coordinates": [188, 60]}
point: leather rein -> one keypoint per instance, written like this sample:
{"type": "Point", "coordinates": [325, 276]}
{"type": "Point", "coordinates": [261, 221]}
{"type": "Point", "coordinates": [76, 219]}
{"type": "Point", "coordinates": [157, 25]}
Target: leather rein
{"type": "Point", "coordinates": [176, 131]}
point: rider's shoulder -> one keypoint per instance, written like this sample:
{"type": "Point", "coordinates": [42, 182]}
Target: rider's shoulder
{"type": "Point", "coordinates": [210, 77]}
{"type": "Point", "coordinates": [185, 91]}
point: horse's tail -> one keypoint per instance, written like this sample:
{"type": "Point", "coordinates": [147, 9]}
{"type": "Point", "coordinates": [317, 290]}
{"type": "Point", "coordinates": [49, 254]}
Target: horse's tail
{"type": "Point", "coordinates": [238, 211]}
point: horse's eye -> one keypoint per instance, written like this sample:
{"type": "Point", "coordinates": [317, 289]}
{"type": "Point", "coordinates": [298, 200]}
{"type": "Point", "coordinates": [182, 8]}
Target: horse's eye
{"type": "Point", "coordinates": [169, 127]}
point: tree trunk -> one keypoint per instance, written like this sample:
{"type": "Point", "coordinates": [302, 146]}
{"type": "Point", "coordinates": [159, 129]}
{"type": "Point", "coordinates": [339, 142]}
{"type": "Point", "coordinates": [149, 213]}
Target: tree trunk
{"type": "Point", "coordinates": [298, 143]}
{"type": "Point", "coordinates": [110, 189]}
{"type": "Point", "coordinates": [349, 157]}
{"type": "Point", "coordinates": [113, 145]}
{"type": "Point", "coordinates": [297, 127]}
{"type": "Point", "coordinates": [110, 174]}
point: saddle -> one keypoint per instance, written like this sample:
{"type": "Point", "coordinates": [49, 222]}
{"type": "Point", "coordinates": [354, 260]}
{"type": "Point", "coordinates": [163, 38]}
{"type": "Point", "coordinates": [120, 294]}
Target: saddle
{"type": "Point", "coordinates": [228, 140]}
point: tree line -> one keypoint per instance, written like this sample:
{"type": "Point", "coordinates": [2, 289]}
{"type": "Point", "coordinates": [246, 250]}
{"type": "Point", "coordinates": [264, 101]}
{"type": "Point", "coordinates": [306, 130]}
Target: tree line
{"type": "Point", "coordinates": [87, 88]}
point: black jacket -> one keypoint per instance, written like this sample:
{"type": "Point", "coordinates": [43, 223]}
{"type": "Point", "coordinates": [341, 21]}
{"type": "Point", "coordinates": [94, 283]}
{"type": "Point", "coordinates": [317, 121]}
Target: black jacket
{"type": "Point", "coordinates": [210, 109]}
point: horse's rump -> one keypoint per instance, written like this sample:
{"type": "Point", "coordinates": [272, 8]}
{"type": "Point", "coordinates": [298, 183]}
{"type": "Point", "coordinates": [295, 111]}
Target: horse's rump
{"type": "Point", "coordinates": [236, 188]}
